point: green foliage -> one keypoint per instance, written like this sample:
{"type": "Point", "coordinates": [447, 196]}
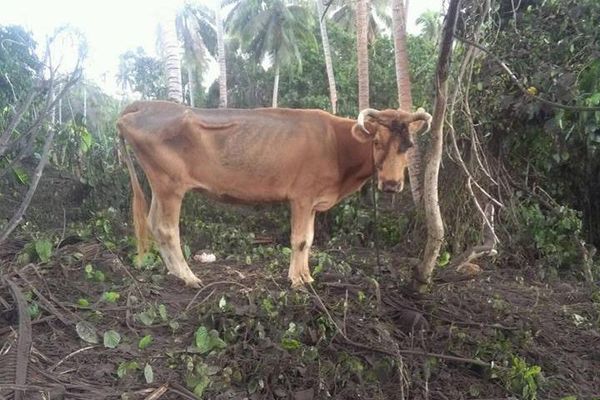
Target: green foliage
{"type": "Point", "coordinates": [93, 274]}
{"type": "Point", "coordinates": [111, 297]}
{"type": "Point", "coordinates": [37, 250]}
{"type": "Point", "coordinates": [142, 74]}
{"type": "Point", "coordinates": [145, 342]}
{"type": "Point", "coordinates": [554, 234]}
{"type": "Point", "coordinates": [551, 46]}
{"type": "Point", "coordinates": [87, 332]}
{"type": "Point", "coordinates": [126, 367]}
{"type": "Point", "coordinates": [523, 379]}
{"type": "Point", "coordinates": [43, 249]}
{"type": "Point", "coordinates": [151, 314]}
{"type": "Point", "coordinates": [206, 341]}
{"type": "Point", "coordinates": [19, 65]}
{"type": "Point", "coordinates": [111, 339]}
{"type": "Point", "coordinates": [148, 373]}
{"type": "Point", "coordinates": [197, 379]}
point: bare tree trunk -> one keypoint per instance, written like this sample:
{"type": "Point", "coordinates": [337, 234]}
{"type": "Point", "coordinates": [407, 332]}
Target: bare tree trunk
{"type": "Point", "coordinates": [14, 121]}
{"type": "Point", "coordinates": [276, 86]}
{"type": "Point", "coordinates": [191, 78]}
{"type": "Point", "coordinates": [362, 51]}
{"type": "Point", "coordinates": [171, 49]}
{"type": "Point", "coordinates": [221, 57]}
{"type": "Point", "coordinates": [84, 104]}
{"type": "Point", "coordinates": [39, 169]}
{"type": "Point", "coordinates": [435, 228]}
{"type": "Point", "coordinates": [328, 61]}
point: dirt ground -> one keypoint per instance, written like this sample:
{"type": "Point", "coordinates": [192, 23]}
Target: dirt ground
{"type": "Point", "coordinates": [355, 334]}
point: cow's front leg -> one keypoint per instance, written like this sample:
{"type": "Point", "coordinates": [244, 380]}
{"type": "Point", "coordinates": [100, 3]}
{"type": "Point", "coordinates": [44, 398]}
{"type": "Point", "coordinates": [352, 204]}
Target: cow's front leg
{"type": "Point", "coordinates": [163, 220]}
{"type": "Point", "coordinates": [303, 225]}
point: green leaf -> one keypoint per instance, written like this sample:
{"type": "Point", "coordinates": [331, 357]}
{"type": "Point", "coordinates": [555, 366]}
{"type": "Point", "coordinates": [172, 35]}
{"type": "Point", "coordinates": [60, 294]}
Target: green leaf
{"type": "Point", "coordinates": [89, 271]}
{"type": "Point", "coordinates": [202, 340]}
{"type": "Point", "coordinates": [110, 297]}
{"type": "Point", "coordinates": [43, 249]}
{"type": "Point", "coordinates": [162, 311]}
{"type": "Point", "coordinates": [444, 259]}
{"type": "Point", "coordinates": [145, 342]}
{"type": "Point", "coordinates": [290, 344]}
{"type": "Point", "coordinates": [83, 303]}
{"type": "Point", "coordinates": [111, 339]}
{"type": "Point", "coordinates": [215, 341]}
{"type": "Point", "coordinates": [206, 341]}
{"type": "Point", "coordinates": [87, 332]}
{"type": "Point", "coordinates": [33, 310]}
{"type": "Point", "coordinates": [85, 140]}
{"type": "Point", "coordinates": [21, 175]}
{"type": "Point", "coordinates": [147, 317]}
{"type": "Point", "coordinates": [125, 367]}
{"type": "Point", "coordinates": [99, 276]}
{"type": "Point", "coordinates": [148, 373]}
{"type": "Point", "coordinates": [198, 384]}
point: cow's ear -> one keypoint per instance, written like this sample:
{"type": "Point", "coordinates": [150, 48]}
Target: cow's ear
{"type": "Point", "coordinates": [361, 134]}
{"type": "Point", "coordinates": [366, 133]}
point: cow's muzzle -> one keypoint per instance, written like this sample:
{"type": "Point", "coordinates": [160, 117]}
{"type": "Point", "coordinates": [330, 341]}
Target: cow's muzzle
{"type": "Point", "coordinates": [391, 186]}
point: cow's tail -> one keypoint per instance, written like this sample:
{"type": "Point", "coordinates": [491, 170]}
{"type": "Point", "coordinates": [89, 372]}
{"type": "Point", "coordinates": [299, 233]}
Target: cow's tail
{"type": "Point", "coordinates": [139, 205]}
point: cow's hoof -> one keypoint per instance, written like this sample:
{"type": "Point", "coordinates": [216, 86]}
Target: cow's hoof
{"type": "Point", "coordinates": [298, 284]}
{"type": "Point", "coordinates": [194, 283]}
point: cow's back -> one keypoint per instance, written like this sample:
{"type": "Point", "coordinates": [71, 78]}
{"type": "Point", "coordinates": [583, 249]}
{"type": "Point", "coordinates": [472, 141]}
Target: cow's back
{"type": "Point", "coordinates": [248, 155]}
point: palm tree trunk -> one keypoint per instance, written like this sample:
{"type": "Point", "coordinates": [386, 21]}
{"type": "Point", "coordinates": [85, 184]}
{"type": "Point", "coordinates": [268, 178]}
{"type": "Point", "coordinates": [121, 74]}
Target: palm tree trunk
{"type": "Point", "coordinates": [435, 227]}
{"type": "Point", "coordinates": [328, 61]}
{"type": "Point", "coordinates": [276, 86]}
{"type": "Point", "coordinates": [191, 78]}
{"type": "Point", "coordinates": [362, 51]}
{"type": "Point", "coordinates": [401, 56]}
{"type": "Point", "coordinates": [404, 92]}
{"type": "Point", "coordinates": [172, 58]}
{"type": "Point", "coordinates": [221, 57]}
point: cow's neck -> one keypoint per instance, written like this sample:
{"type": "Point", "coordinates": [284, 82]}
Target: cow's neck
{"type": "Point", "coordinates": [355, 160]}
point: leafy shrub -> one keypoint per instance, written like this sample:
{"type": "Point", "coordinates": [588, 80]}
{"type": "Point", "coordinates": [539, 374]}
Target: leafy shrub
{"type": "Point", "coordinates": [554, 234]}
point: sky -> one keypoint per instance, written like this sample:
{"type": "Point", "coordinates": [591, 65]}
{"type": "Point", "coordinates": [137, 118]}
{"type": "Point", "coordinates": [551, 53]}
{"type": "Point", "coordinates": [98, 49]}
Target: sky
{"type": "Point", "coordinates": [114, 26]}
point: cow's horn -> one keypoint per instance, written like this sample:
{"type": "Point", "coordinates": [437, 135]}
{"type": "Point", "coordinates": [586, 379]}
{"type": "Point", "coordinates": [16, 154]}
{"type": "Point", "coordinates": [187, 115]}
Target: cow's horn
{"type": "Point", "coordinates": [361, 118]}
{"type": "Point", "coordinates": [421, 115]}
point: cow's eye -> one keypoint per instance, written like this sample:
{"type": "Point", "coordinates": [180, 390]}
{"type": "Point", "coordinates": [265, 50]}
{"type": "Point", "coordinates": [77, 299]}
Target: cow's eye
{"type": "Point", "coordinates": [376, 143]}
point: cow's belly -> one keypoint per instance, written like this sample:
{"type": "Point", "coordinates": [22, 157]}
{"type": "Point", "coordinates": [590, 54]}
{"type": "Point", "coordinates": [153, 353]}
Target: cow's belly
{"type": "Point", "coordinates": [244, 188]}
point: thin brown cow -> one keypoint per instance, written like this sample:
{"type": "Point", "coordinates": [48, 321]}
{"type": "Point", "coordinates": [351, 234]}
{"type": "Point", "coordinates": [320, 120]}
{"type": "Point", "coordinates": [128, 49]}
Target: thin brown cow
{"type": "Point", "coordinates": [309, 158]}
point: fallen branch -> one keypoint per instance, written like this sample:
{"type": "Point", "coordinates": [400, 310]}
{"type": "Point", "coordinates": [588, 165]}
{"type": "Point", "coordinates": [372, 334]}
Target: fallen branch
{"type": "Point", "coordinates": [24, 339]}
{"type": "Point", "coordinates": [487, 248]}
{"type": "Point", "coordinates": [398, 352]}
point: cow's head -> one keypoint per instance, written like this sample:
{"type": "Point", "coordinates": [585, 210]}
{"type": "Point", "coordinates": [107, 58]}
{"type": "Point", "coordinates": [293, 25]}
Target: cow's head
{"type": "Point", "coordinates": [390, 133]}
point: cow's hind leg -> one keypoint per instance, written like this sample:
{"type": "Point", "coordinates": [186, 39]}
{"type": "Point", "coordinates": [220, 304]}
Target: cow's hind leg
{"type": "Point", "coordinates": [163, 220]}
{"type": "Point", "coordinates": [303, 221]}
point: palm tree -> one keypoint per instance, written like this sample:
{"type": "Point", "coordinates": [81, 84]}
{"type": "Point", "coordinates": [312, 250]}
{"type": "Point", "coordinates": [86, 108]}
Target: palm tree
{"type": "Point", "coordinates": [362, 52]}
{"type": "Point", "coordinates": [327, 53]}
{"type": "Point", "coordinates": [404, 92]}
{"type": "Point", "coordinates": [196, 25]}
{"type": "Point", "coordinates": [430, 25]}
{"type": "Point", "coordinates": [221, 57]}
{"type": "Point", "coordinates": [271, 30]}
{"type": "Point", "coordinates": [171, 52]}
{"type": "Point", "coordinates": [378, 20]}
